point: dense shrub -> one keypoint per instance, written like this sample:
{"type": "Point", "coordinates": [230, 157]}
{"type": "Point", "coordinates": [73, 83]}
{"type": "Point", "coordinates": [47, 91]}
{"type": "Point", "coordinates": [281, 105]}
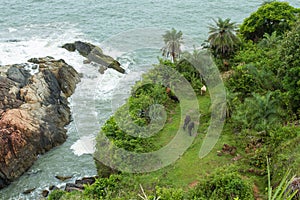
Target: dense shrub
{"type": "Point", "coordinates": [290, 71]}
{"type": "Point", "coordinates": [56, 194]}
{"type": "Point", "coordinates": [260, 113]}
{"type": "Point", "coordinates": [223, 184]}
{"type": "Point", "coordinates": [103, 188]}
{"type": "Point", "coordinates": [169, 193]}
{"type": "Point", "coordinates": [270, 17]}
{"type": "Point", "coordinates": [286, 156]}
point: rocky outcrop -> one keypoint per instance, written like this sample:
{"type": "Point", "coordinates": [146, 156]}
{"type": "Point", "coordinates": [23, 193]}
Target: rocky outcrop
{"type": "Point", "coordinates": [70, 187]}
{"type": "Point", "coordinates": [33, 113]}
{"type": "Point", "coordinates": [94, 54]}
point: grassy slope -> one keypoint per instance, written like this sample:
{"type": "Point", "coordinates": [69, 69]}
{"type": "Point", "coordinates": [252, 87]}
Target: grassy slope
{"type": "Point", "coordinates": [187, 170]}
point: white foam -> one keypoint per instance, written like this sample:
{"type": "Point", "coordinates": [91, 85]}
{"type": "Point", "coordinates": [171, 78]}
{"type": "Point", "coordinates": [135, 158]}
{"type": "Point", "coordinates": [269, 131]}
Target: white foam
{"type": "Point", "coordinates": [85, 145]}
{"type": "Point", "coordinates": [11, 30]}
{"type": "Point", "coordinates": [38, 40]}
{"type": "Point", "coordinates": [93, 86]}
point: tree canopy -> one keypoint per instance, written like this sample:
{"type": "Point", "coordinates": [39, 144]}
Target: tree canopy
{"type": "Point", "coordinates": [290, 71]}
{"type": "Point", "coordinates": [173, 41]}
{"type": "Point", "coordinates": [222, 38]}
{"type": "Point", "coordinates": [270, 17]}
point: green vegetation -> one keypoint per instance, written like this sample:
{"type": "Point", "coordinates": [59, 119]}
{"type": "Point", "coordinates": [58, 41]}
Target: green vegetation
{"type": "Point", "coordinates": [222, 38]}
{"type": "Point", "coordinates": [225, 184]}
{"type": "Point", "coordinates": [56, 195]}
{"type": "Point", "coordinates": [263, 119]}
{"type": "Point", "coordinates": [282, 191]}
{"type": "Point", "coordinates": [173, 40]}
{"type": "Point", "coordinates": [270, 17]}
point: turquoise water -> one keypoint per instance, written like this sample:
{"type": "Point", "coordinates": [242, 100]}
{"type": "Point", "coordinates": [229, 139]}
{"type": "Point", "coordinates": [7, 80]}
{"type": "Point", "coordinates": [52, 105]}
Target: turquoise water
{"type": "Point", "coordinates": [34, 28]}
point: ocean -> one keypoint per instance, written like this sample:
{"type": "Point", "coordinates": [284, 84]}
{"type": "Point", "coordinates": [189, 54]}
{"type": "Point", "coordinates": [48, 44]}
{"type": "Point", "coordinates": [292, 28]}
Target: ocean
{"type": "Point", "coordinates": [129, 31]}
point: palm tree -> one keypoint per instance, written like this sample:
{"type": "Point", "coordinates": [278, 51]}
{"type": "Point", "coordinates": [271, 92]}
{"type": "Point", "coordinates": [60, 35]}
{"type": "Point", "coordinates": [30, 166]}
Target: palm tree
{"type": "Point", "coordinates": [265, 110]}
{"type": "Point", "coordinates": [222, 37]}
{"type": "Point", "coordinates": [261, 112]}
{"type": "Point", "coordinates": [270, 41]}
{"type": "Point", "coordinates": [201, 61]}
{"type": "Point", "coordinates": [173, 40]}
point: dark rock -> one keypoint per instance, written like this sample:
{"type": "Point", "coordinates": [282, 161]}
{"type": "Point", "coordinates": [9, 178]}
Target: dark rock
{"type": "Point", "coordinates": [81, 75]}
{"type": "Point", "coordinates": [86, 62]}
{"type": "Point", "coordinates": [84, 48]}
{"type": "Point", "coordinates": [13, 40]}
{"type": "Point", "coordinates": [69, 46]}
{"type": "Point", "coordinates": [63, 178]}
{"type": "Point", "coordinates": [73, 187]}
{"type": "Point", "coordinates": [45, 193]}
{"type": "Point", "coordinates": [86, 180]}
{"type": "Point", "coordinates": [29, 191]}
{"type": "Point", "coordinates": [94, 54]}
{"type": "Point", "coordinates": [53, 187]}
{"type": "Point", "coordinates": [34, 67]}
{"type": "Point", "coordinates": [41, 60]}
{"type": "Point", "coordinates": [97, 56]}
{"type": "Point", "coordinates": [9, 94]}
{"type": "Point", "coordinates": [18, 75]}
{"type": "Point", "coordinates": [32, 117]}
{"type": "Point", "coordinates": [67, 78]}
{"type": "Point", "coordinates": [101, 70]}
{"type": "Point", "coordinates": [3, 181]}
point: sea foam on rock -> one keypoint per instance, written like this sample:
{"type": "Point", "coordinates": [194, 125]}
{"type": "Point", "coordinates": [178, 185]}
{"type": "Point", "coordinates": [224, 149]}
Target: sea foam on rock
{"type": "Point", "coordinates": [33, 113]}
{"type": "Point", "coordinates": [94, 54]}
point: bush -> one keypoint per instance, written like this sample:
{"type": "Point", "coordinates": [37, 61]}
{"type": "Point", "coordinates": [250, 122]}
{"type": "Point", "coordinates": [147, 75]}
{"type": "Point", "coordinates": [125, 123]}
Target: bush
{"type": "Point", "coordinates": [169, 193]}
{"type": "Point", "coordinates": [290, 71]}
{"type": "Point", "coordinates": [103, 187]}
{"type": "Point", "coordinates": [286, 156]}
{"type": "Point", "coordinates": [260, 113]}
{"type": "Point", "coordinates": [56, 194]}
{"type": "Point", "coordinates": [270, 17]}
{"type": "Point", "coordinates": [223, 184]}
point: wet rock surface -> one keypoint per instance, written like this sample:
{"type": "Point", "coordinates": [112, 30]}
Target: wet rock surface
{"type": "Point", "coordinates": [33, 113]}
{"type": "Point", "coordinates": [78, 185]}
{"type": "Point", "coordinates": [94, 54]}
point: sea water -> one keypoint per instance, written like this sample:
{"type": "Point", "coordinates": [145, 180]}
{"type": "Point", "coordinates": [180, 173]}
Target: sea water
{"type": "Point", "coordinates": [129, 31]}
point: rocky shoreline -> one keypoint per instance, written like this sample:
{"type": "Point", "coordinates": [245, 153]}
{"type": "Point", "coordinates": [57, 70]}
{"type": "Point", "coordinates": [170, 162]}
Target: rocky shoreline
{"type": "Point", "coordinates": [77, 185]}
{"type": "Point", "coordinates": [33, 112]}
{"type": "Point", "coordinates": [34, 109]}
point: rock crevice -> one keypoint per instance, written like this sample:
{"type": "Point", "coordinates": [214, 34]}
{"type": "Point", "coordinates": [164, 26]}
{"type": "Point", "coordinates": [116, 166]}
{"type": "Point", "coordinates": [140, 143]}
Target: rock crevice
{"type": "Point", "coordinates": [33, 113]}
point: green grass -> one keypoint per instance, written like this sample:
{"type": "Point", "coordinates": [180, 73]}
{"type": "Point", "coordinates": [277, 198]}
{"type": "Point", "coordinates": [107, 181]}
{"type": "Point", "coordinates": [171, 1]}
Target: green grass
{"type": "Point", "coordinates": [189, 168]}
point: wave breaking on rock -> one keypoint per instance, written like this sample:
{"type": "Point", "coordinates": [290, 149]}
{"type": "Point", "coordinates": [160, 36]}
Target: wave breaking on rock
{"type": "Point", "coordinates": [33, 112]}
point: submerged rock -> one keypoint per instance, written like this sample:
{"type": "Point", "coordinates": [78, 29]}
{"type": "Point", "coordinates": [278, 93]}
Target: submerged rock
{"type": "Point", "coordinates": [53, 187]}
{"type": "Point", "coordinates": [63, 178]}
{"type": "Point", "coordinates": [73, 187]}
{"type": "Point", "coordinates": [33, 113]}
{"type": "Point", "coordinates": [86, 180]}
{"type": "Point", "coordinates": [83, 48]}
{"type": "Point", "coordinates": [94, 54]}
{"type": "Point", "coordinates": [28, 191]}
{"type": "Point", "coordinates": [70, 187]}
{"type": "Point", "coordinates": [45, 193]}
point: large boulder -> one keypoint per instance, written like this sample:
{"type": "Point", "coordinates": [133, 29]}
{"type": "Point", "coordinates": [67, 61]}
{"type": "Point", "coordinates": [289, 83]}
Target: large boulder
{"type": "Point", "coordinates": [83, 48]}
{"type": "Point", "coordinates": [33, 113]}
{"type": "Point", "coordinates": [94, 54]}
{"type": "Point", "coordinates": [18, 75]}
